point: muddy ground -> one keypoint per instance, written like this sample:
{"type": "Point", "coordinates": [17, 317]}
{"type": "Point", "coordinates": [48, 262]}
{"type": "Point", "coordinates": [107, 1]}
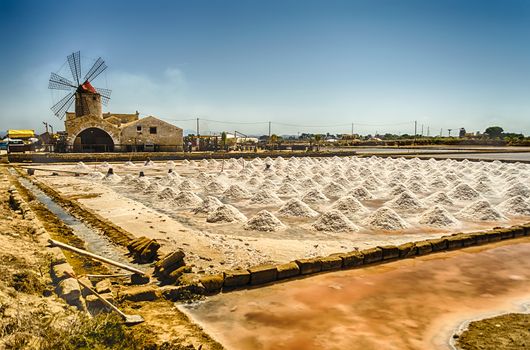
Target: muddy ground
{"type": "Point", "coordinates": [505, 332]}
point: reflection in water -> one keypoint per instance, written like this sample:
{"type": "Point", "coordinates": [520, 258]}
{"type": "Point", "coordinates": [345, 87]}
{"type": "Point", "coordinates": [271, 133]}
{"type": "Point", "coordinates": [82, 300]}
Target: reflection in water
{"type": "Point", "coordinates": [409, 304]}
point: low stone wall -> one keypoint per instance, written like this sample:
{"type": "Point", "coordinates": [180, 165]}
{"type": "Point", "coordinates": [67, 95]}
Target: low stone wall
{"type": "Point", "coordinates": [141, 157]}
{"type": "Point", "coordinates": [60, 271]}
{"type": "Point", "coordinates": [266, 274]}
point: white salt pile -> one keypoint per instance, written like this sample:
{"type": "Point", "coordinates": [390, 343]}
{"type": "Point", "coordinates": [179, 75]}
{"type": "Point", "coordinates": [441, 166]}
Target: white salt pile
{"type": "Point", "coordinates": [349, 206]}
{"type": "Point", "coordinates": [405, 201]}
{"type": "Point", "coordinates": [112, 178]}
{"type": "Point", "coordinates": [437, 216]}
{"type": "Point", "coordinates": [333, 189]}
{"type": "Point", "coordinates": [314, 196]}
{"type": "Point", "coordinates": [334, 221]}
{"type": "Point", "coordinates": [439, 198]}
{"type": "Point", "coordinates": [385, 218]}
{"type": "Point", "coordinates": [464, 192]}
{"type": "Point", "coordinates": [208, 205]}
{"type": "Point", "coordinates": [129, 164]}
{"type": "Point", "coordinates": [81, 166]}
{"type": "Point", "coordinates": [398, 189]}
{"type": "Point", "coordinates": [515, 206]}
{"type": "Point", "coordinates": [480, 210]}
{"type": "Point", "coordinates": [287, 190]}
{"type": "Point", "coordinates": [361, 193]}
{"type": "Point", "coordinates": [226, 213]}
{"type": "Point", "coordinates": [214, 187]}
{"type": "Point", "coordinates": [264, 221]}
{"type": "Point", "coordinates": [187, 199]}
{"type": "Point", "coordinates": [265, 197]}
{"type": "Point", "coordinates": [154, 187]}
{"type": "Point", "coordinates": [517, 189]}
{"type": "Point", "coordinates": [236, 192]}
{"type": "Point", "coordinates": [295, 207]}
{"type": "Point", "coordinates": [187, 185]}
{"type": "Point", "coordinates": [166, 194]}
{"type": "Point", "coordinates": [96, 175]}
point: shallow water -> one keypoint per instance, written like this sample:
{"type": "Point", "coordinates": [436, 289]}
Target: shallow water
{"type": "Point", "coordinates": [409, 304]}
{"type": "Point", "coordinates": [94, 242]}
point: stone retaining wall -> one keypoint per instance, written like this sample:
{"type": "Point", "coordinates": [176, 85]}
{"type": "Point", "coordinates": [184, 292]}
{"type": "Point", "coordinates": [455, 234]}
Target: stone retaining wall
{"type": "Point", "coordinates": [66, 287]}
{"type": "Point", "coordinates": [266, 274]}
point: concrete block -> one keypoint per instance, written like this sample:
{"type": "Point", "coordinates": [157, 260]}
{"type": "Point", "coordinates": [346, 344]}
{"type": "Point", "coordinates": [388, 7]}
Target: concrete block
{"type": "Point", "coordinates": [212, 283]}
{"type": "Point", "coordinates": [352, 259]}
{"type": "Point", "coordinates": [56, 255]}
{"type": "Point", "coordinates": [423, 247]}
{"type": "Point", "coordinates": [390, 252]}
{"type": "Point", "coordinates": [236, 278]}
{"type": "Point", "coordinates": [85, 292]}
{"type": "Point", "coordinates": [95, 305]}
{"type": "Point", "coordinates": [308, 266]}
{"type": "Point", "coordinates": [493, 236]}
{"type": "Point", "coordinates": [438, 244]}
{"type": "Point", "coordinates": [169, 263]}
{"type": "Point", "coordinates": [372, 255]}
{"type": "Point", "coordinates": [61, 272]}
{"type": "Point", "coordinates": [454, 242]}
{"type": "Point", "coordinates": [263, 274]}
{"type": "Point", "coordinates": [68, 289]}
{"type": "Point", "coordinates": [407, 250]}
{"type": "Point", "coordinates": [138, 293]}
{"type": "Point", "coordinates": [518, 231]}
{"type": "Point", "coordinates": [288, 270]}
{"type": "Point", "coordinates": [332, 262]}
{"type": "Point", "coordinates": [480, 237]}
{"type": "Point", "coordinates": [175, 275]}
{"type": "Point", "coordinates": [139, 279]}
{"type": "Point", "coordinates": [506, 233]}
{"type": "Point", "coordinates": [103, 286]}
{"type": "Point", "coordinates": [468, 240]}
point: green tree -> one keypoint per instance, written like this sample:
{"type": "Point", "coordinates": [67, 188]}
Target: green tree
{"type": "Point", "coordinates": [223, 139]}
{"type": "Point", "coordinates": [494, 131]}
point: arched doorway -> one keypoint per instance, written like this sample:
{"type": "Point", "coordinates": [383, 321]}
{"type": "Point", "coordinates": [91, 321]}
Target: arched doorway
{"type": "Point", "coordinates": [93, 140]}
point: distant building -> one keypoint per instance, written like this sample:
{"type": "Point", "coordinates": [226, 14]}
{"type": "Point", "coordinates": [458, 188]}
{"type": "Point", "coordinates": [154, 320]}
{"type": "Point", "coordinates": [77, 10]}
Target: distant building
{"type": "Point", "coordinates": [462, 133]}
{"type": "Point", "coordinates": [109, 132]}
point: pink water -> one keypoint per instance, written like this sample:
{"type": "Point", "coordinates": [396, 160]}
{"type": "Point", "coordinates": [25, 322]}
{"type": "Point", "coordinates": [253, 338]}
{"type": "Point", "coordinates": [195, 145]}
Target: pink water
{"type": "Point", "coordinates": [409, 304]}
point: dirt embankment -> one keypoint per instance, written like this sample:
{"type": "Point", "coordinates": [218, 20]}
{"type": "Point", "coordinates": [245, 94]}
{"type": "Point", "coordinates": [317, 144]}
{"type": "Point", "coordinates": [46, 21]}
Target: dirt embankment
{"type": "Point", "coordinates": [505, 332]}
{"type": "Point", "coordinates": [33, 317]}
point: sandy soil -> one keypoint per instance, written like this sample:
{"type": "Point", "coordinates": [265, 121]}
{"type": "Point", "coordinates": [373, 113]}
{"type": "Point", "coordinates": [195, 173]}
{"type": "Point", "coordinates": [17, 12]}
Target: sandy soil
{"type": "Point", "coordinates": [214, 247]}
{"type": "Point", "coordinates": [408, 304]}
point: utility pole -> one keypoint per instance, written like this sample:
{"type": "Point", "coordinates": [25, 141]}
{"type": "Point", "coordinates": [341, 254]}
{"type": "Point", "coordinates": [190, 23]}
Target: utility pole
{"type": "Point", "coordinates": [428, 131]}
{"type": "Point", "coordinates": [198, 133]}
{"type": "Point", "coordinates": [269, 131]}
{"type": "Point", "coordinates": [352, 130]}
{"type": "Point", "coordinates": [421, 129]}
{"type": "Point", "coordinates": [46, 124]}
{"type": "Point", "coordinates": [449, 132]}
{"type": "Point", "coordinates": [415, 130]}
{"type": "Point", "coordinates": [441, 132]}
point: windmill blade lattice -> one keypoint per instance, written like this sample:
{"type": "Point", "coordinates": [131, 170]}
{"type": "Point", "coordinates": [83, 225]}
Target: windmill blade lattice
{"type": "Point", "coordinates": [105, 95]}
{"type": "Point", "coordinates": [74, 61]}
{"type": "Point", "coordinates": [58, 82]}
{"type": "Point", "coordinates": [77, 87]}
{"type": "Point", "coordinates": [98, 67]}
{"type": "Point", "coordinates": [60, 108]}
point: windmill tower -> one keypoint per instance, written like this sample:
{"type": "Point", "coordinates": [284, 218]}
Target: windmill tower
{"type": "Point", "coordinates": [88, 99]}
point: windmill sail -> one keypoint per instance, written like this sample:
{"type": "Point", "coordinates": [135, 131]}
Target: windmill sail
{"type": "Point", "coordinates": [60, 108]}
{"type": "Point", "coordinates": [58, 82]}
{"type": "Point", "coordinates": [74, 61]}
{"type": "Point", "coordinates": [98, 67]}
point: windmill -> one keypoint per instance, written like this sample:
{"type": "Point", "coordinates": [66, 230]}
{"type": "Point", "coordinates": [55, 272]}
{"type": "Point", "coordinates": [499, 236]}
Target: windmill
{"type": "Point", "coordinates": [88, 99]}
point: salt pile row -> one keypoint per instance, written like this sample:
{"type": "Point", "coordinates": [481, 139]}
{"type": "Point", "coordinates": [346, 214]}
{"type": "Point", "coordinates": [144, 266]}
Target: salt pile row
{"type": "Point", "coordinates": [342, 194]}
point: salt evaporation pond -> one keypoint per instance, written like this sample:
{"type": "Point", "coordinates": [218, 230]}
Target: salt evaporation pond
{"type": "Point", "coordinates": [239, 213]}
{"type": "Point", "coordinates": [408, 304]}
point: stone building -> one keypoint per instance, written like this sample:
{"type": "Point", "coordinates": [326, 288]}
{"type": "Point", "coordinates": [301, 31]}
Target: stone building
{"type": "Point", "coordinates": [108, 132]}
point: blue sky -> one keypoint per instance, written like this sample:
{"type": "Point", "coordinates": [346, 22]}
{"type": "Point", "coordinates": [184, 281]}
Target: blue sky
{"type": "Point", "coordinates": [306, 66]}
